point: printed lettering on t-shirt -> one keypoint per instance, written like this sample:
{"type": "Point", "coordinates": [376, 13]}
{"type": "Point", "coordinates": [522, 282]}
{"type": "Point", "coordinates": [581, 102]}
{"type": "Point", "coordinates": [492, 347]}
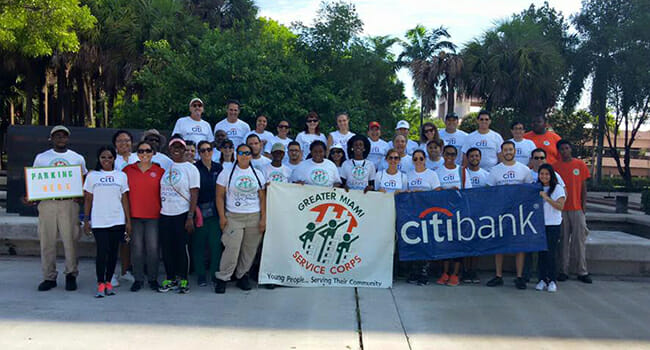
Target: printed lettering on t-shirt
{"type": "Point", "coordinates": [231, 132]}
{"type": "Point", "coordinates": [451, 141]}
{"type": "Point", "coordinates": [474, 181]}
{"type": "Point", "coordinates": [509, 175]}
{"type": "Point", "coordinates": [416, 182]}
{"type": "Point", "coordinates": [390, 183]}
{"type": "Point", "coordinates": [481, 143]}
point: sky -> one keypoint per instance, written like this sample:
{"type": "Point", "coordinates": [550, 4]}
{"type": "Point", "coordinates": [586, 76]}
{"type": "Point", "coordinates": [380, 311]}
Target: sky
{"type": "Point", "coordinates": [464, 19]}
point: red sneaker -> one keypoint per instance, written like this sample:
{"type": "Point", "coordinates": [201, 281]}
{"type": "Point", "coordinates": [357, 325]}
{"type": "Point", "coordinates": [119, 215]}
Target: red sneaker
{"type": "Point", "coordinates": [109, 289]}
{"type": "Point", "coordinates": [443, 279]}
{"type": "Point", "coordinates": [453, 281]}
{"type": "Point", "coordinates": [101, 287]}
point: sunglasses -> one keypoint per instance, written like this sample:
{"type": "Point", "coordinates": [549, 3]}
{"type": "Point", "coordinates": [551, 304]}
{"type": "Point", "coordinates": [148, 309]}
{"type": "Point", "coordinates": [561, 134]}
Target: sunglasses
{"type": "Point", "coordinates": [394, 158]}
{"type": "Point", "coordinates": [428, 130]}
{"type": "Point", "coordinates": [283, 126]}
{"type": "Point", "coordinates": [227, 146]}
{"type": "Point", "coordinates": [336, 151]}
{"type": "Point", "coordinates": [197, 105]}
{"type": "Point", "coordinates": [539, 158]}
{"type": "Point", "coordinates": [244, 153]}
{"type": "Point", "coordinates": [451, 154]}
{"type": "Point", "coordinates": [203, 150]}
{"type": "Point", "coordinates": [312, 121]}
{"type": "Point", "coordinates": [147, 150]}
{"type": "Point", "coordinates": [484, 119]}
{"type": "Point", "coordinates": [418, 159]}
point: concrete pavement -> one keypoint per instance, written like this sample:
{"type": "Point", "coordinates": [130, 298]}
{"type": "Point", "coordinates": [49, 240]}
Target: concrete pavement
{"type": "Point", "coordinates": [611, 313]}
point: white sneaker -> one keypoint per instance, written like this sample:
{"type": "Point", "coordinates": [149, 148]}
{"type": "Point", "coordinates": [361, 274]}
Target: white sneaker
{"type": "Point", "coordinates": [541, 285]}
{"type": "Point", "coordinates": [552, 287]}
{"type": "Point", "coordinates": [128, 277]}
{"type": "Point", "coordinates": [115, 282]}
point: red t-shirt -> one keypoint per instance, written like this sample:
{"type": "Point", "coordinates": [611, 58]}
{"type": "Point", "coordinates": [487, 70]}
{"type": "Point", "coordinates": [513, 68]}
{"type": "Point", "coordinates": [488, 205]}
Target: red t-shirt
{"type": "Point", "coordinates": [547, 142]}
{"type": "Point", "coordinates": [144, 191]}
{"type": "Point", "coordinates": [574, 173]}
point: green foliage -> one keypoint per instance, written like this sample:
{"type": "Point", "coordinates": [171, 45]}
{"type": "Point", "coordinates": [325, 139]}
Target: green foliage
{"type": "Point", "coordinates": [617, 184]}
{"type": "Point", "coordinates": [572, 126]}
{"type": "Point", "coordinates": [34, 28]}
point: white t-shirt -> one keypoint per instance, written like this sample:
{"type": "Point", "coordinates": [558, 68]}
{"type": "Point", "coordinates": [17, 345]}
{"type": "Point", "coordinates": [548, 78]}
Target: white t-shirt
{"type": "Point", "coordinates": [553, 216]}
{"type": "Point", "coordinates": [434, 165]}
{"type": "Point", "coordinates": [450, 178]}
{"type": "Point", "coordinates": [535, 175]}
{"type": "Point", "coordinates": [162, 160]}
{"type": "Point", "coordinates": [378, 150]}
{"type": "Point", "coordinates": [107, 188]}
{"type": "Point", "coordinates": [456, 139]}
{"type": "Point", "coordinates": [391, 183]}
{"type": "Point", "coordinates": [266, 137]}
{"type": "Point", "coordinates": [281, 174]}
{"type": "Point", "coordinates": [411, 146]}
{"type": "Point", "coordinates": [194, 130]}
{"type": "Point", "coordinates": [424, 181]}
{"type": "Point", "coordinates": [260, 163]}
{"type": "Point", "coordinates": [53, 158]}
{"type": "Point", "coordinates": [120, 163]}
{"type": "Point", "coordinates": [357, 173]}
{"type": "Point", "coordinates": [276, 139]}
{"type": "Point", "coordinates": [180, 178]}
{"type": "Point", "coordinates": [291, 166]}
{"type": "Point", "coordinates": [216, 155]}
{"type": "Point", "coordinates": [340, 139]}
{"type": "Point", "coordinates": [478, 178]}
{"type": "Point", "coordinates": [502, 174]}
{"type": "Point", "coordinates": [523, 149]}
{"type": "Point", "coordinates": [319, 174]}
{"type": "Point", "coordinates": [234, 131]}
{"type": "Point", "coordinates": [489, 144]}
{"type": "Point", "coordinates": [405, 164]}
{"type": "Point", "coordinates": [242, 189]}
{"type": "Point", "coordinates": [305, 141]}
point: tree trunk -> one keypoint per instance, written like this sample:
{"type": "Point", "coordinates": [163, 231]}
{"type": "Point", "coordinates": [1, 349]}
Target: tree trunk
{"type": "Point", "coordinates": [599, 108]}
{"type": "Point", "coordinates": [451, 97]}
{"type": "Point", "coordinates": [421, 111]}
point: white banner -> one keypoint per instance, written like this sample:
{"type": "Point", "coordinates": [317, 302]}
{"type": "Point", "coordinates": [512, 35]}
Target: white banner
{"type": "Point", "coordinates": [317, 236]}
{"type": "Point", "coordinates": [53, 182]}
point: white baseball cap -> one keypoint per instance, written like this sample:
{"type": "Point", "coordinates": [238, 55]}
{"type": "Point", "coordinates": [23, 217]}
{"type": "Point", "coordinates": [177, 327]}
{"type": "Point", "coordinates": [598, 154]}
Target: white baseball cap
{"type": "Point", "coordinates": [402, 124]}
{"type": "Point", "coordinates": [196, 99]}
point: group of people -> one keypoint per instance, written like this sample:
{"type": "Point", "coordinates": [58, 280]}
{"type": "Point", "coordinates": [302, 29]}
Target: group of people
{"type": "Point", "coordinates": [208, 194]}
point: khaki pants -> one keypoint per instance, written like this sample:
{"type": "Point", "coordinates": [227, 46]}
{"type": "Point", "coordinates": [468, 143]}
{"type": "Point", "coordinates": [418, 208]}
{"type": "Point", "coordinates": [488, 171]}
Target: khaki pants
{"type": "Point", "coordinates": [240, 238]}
{"type": "Point", "coordinates": [61, 217]}
{"type": "Point", "coordinates": [574, 241]}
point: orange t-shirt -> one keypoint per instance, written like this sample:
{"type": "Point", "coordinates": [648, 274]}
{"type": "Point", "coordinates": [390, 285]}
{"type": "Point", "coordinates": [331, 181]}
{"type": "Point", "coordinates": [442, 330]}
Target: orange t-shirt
{"type": "Point", "coordinates": [574, 173]}
{"type": "Point", "coordinates": [547, 142]}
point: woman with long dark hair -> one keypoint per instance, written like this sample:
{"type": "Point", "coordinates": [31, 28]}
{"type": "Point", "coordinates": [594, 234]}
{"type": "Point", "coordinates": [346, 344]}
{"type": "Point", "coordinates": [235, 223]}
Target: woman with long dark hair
{"type": "Point", "coordinates": [554, 197]}
{"type": "Point", "coordinates": [311, 133]}
{"type": "Point", "coordinates": [227, 150]}
{"type": "Point", "coordinates": [106, 215]}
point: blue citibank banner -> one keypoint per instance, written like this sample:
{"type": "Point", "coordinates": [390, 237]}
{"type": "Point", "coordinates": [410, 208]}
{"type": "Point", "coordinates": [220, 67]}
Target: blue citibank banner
{"type": "Point", "coordinates": [448, 224]}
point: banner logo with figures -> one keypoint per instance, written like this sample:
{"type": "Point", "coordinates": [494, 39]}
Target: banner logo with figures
{"type": "Point", "coordinates": [329, 240]}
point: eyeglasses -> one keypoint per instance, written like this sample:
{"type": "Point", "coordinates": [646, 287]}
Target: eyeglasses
{"type": "Point", "coordinates": [418, 159]}
{"type": "Point", "coordinates": [244, 153]}
{"type": "Point", "coordinates": [539, 158]}
{"type": "Point", "coordinates": [283, 126]}
{"type": "Point", "coordinates": [394, 158]}
{"type": "Point", "coordinates": [227, 146]}
{"type": "Point", "coordinates": [203, 150]}
{"type": "Point", "coordinates": [428, 131]}
{"type": "Point", "coordinates": [147, 150]}
{"type": "Point", "coordinates": [197, 105]}
{"type": "Point", "coordinates": [312, 121]}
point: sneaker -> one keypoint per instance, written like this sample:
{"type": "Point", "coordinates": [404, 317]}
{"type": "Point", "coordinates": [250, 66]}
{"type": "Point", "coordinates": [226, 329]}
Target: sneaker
{"type": "Point", "coordinates": [70, 282]}
{"type": "Point", "coordinates": [269, 286]}
{"type": "Point", "coordinates": [561, 277]}
{"type": "Point", "coordinates": [175, 284]}
{"type": "Point", "coordinates": [115, 282]}
{"type": "Point", "coordinates": [136, 286]}
{"type": "Point", "coordinates": [219, 286]}
{"type": "Point", "coordinates": [101, 289]}
{"type": "Point", "coordinates": [520, 283]}
{"type": "Point", "coordinates": [496, 281]}
{"type": "Point", "coordinates": [153, 285]}
{"type": "Point", "coordinates": [541, 285]}
{"type": "Point", "coordinates": [443, 279]}
{"type": "Point", "coordinates": [412, 279]}
{"type": "Point", "coordinates": [109, 289]}
{"type": "Point", "coordinates": [166, 286]}
{"type": "Point", "coordinates": [475, 278]}
{"type": "Point", "coordinates": [552, 287]}
{"type": "Point", "coordinates": [585, 279]}
{"type": "Point", "coordinates": [423, 280]}
{"type": "Point", "coordinates": [46, 285]}
{"type": "Point", "coordinates": [183, 287]}
{"type": "Point", "coordinates": [128, 276]}
{"type": "Point", "coordinates": [201, 281]}
{"type": "Point", "coordinates": [453, 281]}
{"type": "Point", "coordinates": [244, 283]}
{"type": "Point", "coordinates": [467, 276]}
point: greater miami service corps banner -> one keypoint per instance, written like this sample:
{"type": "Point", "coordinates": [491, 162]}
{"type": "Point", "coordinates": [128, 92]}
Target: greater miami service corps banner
{"type": "Point", "coordinates": [449, 224]}
{"type": "Point", "coordinates": [317, 236]}
{"type": "Point", "coordinates": [53, 182]}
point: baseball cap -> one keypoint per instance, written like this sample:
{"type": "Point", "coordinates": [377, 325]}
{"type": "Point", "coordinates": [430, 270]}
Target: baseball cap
{"type": "Point", "coordinates": [337, 146]}
{"type": "Point", "coordinates": [59, 128]}
{"type": "Point", "coordinates": [374, 125]}
{"type": "Point", "coordinates": [176, 140]}
{"type": "Point", "coordinates": [196, 99]}
{"type": "Point", "coordinates": [402, 124]}
{"type": "Point", "coordinates": [451, 115]}
{"type": "Point", "coordinates": [278, 146]}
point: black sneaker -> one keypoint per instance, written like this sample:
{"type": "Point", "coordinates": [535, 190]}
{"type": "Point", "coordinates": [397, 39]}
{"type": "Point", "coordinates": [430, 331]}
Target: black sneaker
{"type": "Point", "coordinates": [585, 279]}
{"type": "Point", "coordinates": [269, 286]}
{"type": "Point", "coordinates": [219, 286]}
{"type": "Point", "coordinates": [412, 279]}
{"type": "Point", "coordinates": [46, 285]}
{"type": "Point", "coordinates": [496, 281]}
{"type": "Point", "coordinates": [153, 285]}
{"type": "Point", "coordinates": [244, 283]}
{"type": "Point", "coordinates": [201, 281]}
{"type": "Point", "coordinates": [70, 282]}
{"type": "Point", "coordinates": [467, 276]}
{"type": "Point", "coordinates": [136, 286]}
{"type": "Point", "coordinates": [520, 283]}
{"type": "Point", "coordinates": [561, 277]}
{"type": "Point", "coordinates": [423, 280]}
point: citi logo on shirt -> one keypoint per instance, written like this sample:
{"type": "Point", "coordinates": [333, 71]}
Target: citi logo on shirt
{"type": "Point", "coordinates": [196, 128]}
{"type": "Point", "coordinates": [474, 180]}
{"type": "Point", "coordinates": [449, 178]}
{"type": "Point", "coordinates": [509, 175]}
{"type": "Point", "coordinates": [231, 132]}
{"type": "Point", "coordinates": [416, 182]}
{"type": "Point", "coordinates": [482, 143]}
{"type": "Point", "coordinates": [518, 151]}
{"type": "Point", "coordinates": [451, 142]}
{"type": "Point", "coordinates": [107, 179]}
{"type": "Point", "coordinates": [390, 184]}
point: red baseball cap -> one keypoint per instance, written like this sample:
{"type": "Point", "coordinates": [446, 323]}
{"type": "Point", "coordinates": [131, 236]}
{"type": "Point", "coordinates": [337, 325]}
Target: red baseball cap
{"type": "Point", "coordinates": [374, 125]}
